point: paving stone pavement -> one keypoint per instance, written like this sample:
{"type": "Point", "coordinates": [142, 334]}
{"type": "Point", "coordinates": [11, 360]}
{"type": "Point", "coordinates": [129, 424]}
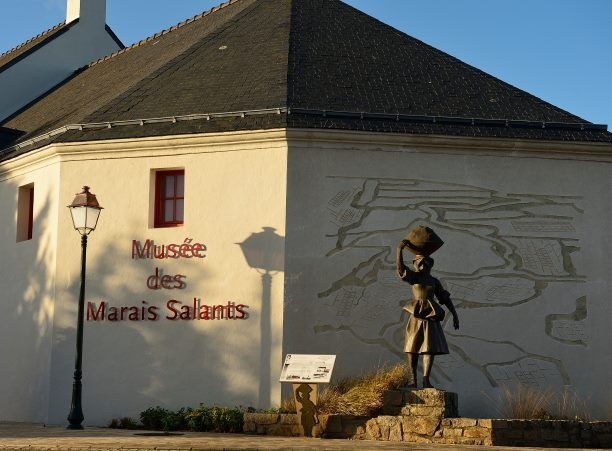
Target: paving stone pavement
{"type": "Point", "coordinates": [35, 437]}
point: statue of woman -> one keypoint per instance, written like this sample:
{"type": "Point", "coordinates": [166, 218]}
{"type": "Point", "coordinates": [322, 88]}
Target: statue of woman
{"type": "Point", "coordinates": [424, 334]}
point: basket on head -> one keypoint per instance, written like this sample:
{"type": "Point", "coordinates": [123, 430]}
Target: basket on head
{"type": "Point", "coordinates": [423, 241]}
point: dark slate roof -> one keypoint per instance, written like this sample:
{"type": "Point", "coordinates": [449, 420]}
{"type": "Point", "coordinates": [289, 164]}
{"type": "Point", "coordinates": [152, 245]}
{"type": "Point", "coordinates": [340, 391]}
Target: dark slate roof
{"type": "Point", "coordinates": [289, 63]}
{"type": "Point", "coordinates": [342, 59]}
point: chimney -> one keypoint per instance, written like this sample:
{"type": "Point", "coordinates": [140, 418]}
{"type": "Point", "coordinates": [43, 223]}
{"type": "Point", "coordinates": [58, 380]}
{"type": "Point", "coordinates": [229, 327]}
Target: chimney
{"type": "Point", "coordinates": [88, 11]}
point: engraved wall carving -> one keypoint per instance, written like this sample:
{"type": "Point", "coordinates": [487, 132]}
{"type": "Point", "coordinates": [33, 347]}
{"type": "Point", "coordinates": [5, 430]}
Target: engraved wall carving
{"type": "Point", "coordinates": [508, 261]}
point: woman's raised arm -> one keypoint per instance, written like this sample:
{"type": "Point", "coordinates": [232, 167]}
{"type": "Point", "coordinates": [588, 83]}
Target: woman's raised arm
{"type": "Point", "coordinates": [402, 270]}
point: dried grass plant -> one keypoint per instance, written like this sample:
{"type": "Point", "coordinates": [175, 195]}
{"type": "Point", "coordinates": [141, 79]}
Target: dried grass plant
{"type": "Point", "coordinates": [358, 395]}
{"type": "Point", "coordinates": [362, 395]}
{"type": "Point", "coordinates": [521, 402]}
{"type": "Point", "coordinates": [288, 405]}
{"type": "Point", "coordinates": [569, 405]}
{"type": "Point", "coordinates": [526, 402]}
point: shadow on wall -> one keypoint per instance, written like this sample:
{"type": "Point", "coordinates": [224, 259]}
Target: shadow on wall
{"type": "Point", "coordinates": [265, 252]}
{"type": "Point", "coordinates": [26, 296]}
{"type": "Point", "coordinates": [112, 371]}
{"type": "Point", "coordinates": [129, 366]}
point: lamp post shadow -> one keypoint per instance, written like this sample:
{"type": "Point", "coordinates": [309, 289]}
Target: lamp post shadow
{"type": "Point", "coordinates": [265, 252]}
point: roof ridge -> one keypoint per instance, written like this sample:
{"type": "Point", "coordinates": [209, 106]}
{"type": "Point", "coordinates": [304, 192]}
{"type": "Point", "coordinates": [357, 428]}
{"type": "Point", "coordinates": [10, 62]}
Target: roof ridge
{"type": "Point", "coordinates": [163, 32]}
{"type": "Point", "coordinates": [39, 35]}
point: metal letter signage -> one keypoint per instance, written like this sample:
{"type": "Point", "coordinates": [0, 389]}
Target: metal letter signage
{"type": "Point", "coordinates": [173, 309]}
{"type": "Point", "coordinates": [151, 250]}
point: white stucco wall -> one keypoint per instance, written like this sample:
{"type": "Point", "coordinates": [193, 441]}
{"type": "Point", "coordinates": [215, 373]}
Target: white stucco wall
{"type": "Point", "coordinates": [82, 43]}
{"type": "Point", "coordinates": [526, 258]}
{"type": "Point", "coordinates": [27, 292]}
{"type": "Point", "coordinates": [129, 366]}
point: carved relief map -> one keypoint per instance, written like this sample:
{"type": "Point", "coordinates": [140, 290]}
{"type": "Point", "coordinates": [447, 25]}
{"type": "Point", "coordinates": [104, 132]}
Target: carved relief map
{"type": "Point", "coordinates": [509, 262]}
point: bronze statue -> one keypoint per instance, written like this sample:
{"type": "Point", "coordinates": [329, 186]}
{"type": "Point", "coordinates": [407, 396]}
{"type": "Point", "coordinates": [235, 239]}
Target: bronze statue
{"type": "Point", "coordinates": [424, 334]}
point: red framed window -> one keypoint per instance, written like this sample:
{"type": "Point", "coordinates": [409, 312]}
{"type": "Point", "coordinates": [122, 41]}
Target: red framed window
{"type": "Point", "coordinates": [169, 198]}
{"type": "Point", "coordinates": [31, 213]}
{"type": "Point", "coordinates": [25, 212]}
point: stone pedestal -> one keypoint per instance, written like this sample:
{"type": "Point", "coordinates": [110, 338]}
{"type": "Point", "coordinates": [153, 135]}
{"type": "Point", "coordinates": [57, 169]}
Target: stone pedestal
{"type": "Point", "coordinates": [427, 402]}
{"type": "Point", "coordinates": [430, 416]}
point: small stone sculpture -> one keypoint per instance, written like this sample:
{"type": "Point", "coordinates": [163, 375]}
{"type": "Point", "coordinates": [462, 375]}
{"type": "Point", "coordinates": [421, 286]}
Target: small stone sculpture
{"type": "Point", "coordinates": [424, 334]}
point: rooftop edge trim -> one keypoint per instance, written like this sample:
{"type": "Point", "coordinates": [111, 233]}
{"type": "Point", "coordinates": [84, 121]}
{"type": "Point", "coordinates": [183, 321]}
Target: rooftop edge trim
{"type": "Point", "coordinates": [451, 120]}
{"type": "Point", "coordinates": [141, 122]}
{"type": "Point", "coordinates": [418, 119]}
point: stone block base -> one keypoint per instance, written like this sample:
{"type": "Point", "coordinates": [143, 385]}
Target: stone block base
{"type": "Point", "coordinates": [427, 402]}
{"type": "Point", "coordinates": [287, 425]}
{"type": "Point", "coordinates": [430, 416]}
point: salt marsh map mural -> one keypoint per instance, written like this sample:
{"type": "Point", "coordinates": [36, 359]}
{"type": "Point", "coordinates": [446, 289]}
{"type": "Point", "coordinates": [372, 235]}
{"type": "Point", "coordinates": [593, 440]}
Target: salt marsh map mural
{"type": "Point", "coordinates": [509, 262]}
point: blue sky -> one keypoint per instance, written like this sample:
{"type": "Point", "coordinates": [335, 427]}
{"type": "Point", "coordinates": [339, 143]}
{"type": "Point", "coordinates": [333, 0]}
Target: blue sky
{"type": "Point", "coordinates": [558, 50]}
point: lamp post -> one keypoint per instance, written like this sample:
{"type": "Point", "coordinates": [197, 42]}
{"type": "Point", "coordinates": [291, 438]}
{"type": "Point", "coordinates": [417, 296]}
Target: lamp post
{"type": "Point", "coordinates": [85, 212]}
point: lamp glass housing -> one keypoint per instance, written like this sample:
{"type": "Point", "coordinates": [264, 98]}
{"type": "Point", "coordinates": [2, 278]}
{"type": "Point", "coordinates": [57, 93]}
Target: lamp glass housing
{"type": "Point", "coordinates": [85, 211]}
{"type": "Point", "coordinates": [85, 219]}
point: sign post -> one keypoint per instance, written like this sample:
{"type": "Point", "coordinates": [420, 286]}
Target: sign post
{"type": "Point", "coordinates": [306, 372]}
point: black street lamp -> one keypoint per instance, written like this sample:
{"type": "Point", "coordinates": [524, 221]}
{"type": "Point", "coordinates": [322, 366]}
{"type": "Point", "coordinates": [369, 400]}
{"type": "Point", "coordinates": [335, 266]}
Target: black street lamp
{"type": "Point", "coordinates": [85, 212]}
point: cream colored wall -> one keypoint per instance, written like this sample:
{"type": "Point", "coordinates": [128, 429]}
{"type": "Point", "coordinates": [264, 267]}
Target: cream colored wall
{"type": "Point", "coordinates": [523, 273]}
{"type": "Point", "coordinates": [528, 240]}
{"type": "Point", "coordinates": [235, 185]}
{"type": "Point", "coordinates": [27, 292]}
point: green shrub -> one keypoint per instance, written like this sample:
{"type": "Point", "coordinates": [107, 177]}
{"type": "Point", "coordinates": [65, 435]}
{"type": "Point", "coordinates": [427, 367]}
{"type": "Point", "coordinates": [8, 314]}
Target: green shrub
{"type": "Point", "coordinates": [114, 424]}
{"type": "Point", "coordinates": [175, 421]}
{"type": "Point", "coordinates": [153, 418]}
{"type": "Point", "coordinates": [127, 423]}
{"type": "Point", "coordinates": [268, 410]}
{"type": "Point", "coordinates": [200, 419]}
{"type": "Point", "coordinates": [215, 419]}
{"type": "Point", "coordinates": [227, 420]}
{"type": "Point", "coordinates": [123, 423]}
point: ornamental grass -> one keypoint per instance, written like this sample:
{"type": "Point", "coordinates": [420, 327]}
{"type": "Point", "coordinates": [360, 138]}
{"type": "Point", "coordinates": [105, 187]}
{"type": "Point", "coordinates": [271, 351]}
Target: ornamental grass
{"type": "Point", "coordinates": [570, 405]}
{"type": "Point", "coordinates": [525, 402]}
{"type": "Point", "coordinates": [362, 395]}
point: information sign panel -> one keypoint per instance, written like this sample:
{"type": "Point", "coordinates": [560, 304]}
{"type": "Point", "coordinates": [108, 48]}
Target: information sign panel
{"type": "Point", "coordinates": [306, 368]}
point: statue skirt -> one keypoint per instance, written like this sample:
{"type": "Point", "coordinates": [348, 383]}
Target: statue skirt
{"type": "Point", "coordinates": [425, 336]}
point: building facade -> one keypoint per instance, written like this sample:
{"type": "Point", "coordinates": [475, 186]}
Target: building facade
{"type": "Point", "coordinates": [38, 65]}
{"type": "Point", "coordinates": [258, 165]}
